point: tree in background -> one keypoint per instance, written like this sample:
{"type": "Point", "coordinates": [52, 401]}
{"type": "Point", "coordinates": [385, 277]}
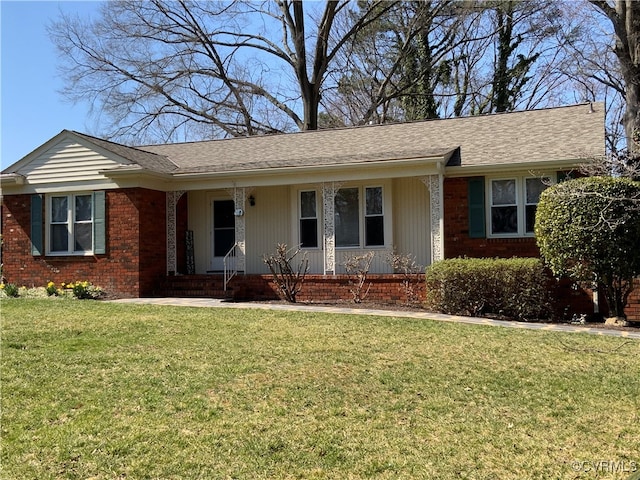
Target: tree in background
{"type": "Point", "coordinates": [588, 229]}
{"type": "Point", "coordinates": [392, 70]}
{"type": "Point", "coordinates": [161, 69]}
{"type": "Point", "coordinates": [624, 16]}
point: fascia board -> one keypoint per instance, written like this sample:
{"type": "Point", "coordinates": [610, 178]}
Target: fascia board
{"type": "Point", "coordinates": [81, 186]}
{"type": "Point", "coordinates": [320, 173]}
{"type": "Point", "coordinates": [136, 176]}
{"type": "Point", "coordinates": [475, 170]}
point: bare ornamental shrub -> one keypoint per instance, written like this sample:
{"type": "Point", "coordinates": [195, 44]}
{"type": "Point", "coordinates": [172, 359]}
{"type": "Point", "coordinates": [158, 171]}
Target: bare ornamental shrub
{"type": "Point", "coordinates": [288, 279]}
{"type": "Point", "coordinates": [411, 271]}
{"type": "Point", "coordinates": [357, 267]}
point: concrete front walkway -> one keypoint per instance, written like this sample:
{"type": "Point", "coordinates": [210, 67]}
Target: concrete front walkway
{"type": "Point", "coordinates": [293, 307]}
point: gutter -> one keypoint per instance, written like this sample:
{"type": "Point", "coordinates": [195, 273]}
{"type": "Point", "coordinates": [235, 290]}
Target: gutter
{"type": "Point", "coordinates": [12, 179]}
{"type": "Point", "coordinates": [408, 162]}
{"type": "Point", "coordinates": [135, 171]}
{"type": "Point", "coordinates": [538, 166]}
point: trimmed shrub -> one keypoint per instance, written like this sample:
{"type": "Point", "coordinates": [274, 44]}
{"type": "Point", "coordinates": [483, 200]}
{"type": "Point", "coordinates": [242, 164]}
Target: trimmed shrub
{"type": "Point", "coordinates": [588, 229]}
{"type": "Point", "coordinates": [515, 287]}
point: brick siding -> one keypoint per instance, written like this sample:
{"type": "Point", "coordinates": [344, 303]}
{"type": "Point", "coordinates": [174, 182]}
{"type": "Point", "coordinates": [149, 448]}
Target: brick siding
{"type": "Point", "coordinates": [567, 298]}
{"type": "Point", "coordinates": [135, 259]}
{"type": "Point", "coordinates": [135, 262]}
{"type": "Point", "coordinates": [457, 242]}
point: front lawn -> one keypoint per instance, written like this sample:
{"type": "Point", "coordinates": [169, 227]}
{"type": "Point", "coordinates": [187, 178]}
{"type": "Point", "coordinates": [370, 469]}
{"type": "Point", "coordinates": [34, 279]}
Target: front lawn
{"type": "Point", "coordinates": [104, 391]}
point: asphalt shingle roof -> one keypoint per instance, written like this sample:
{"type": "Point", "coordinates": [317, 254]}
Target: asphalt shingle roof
{"type": "Point", "coordinates": [146, 159]}
{"type": "Point", "coordinates": [531, 136]}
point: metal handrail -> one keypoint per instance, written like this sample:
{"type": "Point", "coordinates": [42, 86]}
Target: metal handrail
{"type": "Point", "coordinates": [230, 273]}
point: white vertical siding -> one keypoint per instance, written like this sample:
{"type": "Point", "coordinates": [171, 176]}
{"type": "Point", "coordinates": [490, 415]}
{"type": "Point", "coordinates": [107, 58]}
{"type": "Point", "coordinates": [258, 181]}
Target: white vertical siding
{"type": "Point", "coordinates": [267, 224]}
{"type": "Point", "coordinates": [379, 264]}
{"type": "Point", "coordinates": [199, 213]}
{"type": "Point", "coordinates": [273, 220]}
{"type": "Point", "coordinates": [411, 219]}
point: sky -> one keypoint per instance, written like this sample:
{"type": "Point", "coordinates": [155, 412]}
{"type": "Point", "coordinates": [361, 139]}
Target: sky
{"type": "Point", "coordinates": [32, 109]}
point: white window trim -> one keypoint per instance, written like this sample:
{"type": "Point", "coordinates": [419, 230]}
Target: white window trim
{"type": "Point", "coordinates": [318, 218]}
{"type": "Point", "coordinates": [70, 223]}
{"type": "Point", "coordinates": [521, 199]}
{"type": "Point", "coordinates": [362, 214]}
{"type": "Point", "coordinates": [365, 216]}
{"type": "Point", "coordinates": [362, 185]}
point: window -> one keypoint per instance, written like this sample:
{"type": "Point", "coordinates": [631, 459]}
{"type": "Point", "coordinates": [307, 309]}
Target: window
{"type": "Point", "coordinates": [347, 217]}
{"type": "Point", "coordinates": [533, 188]}
{"type": "Point", "coordinates": [374, 218]}
{"type": "Point", "coordinates": [504, 207]}
{"type": "Point", "coordinates": [513, 203]}
{"type": "Point", "coordinates": [71, 224]}
{"type": "Point", "coordinates": [308, 219]}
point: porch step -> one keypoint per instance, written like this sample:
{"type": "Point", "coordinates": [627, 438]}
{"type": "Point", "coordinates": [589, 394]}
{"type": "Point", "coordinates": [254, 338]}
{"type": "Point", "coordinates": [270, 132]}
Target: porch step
{"type": "Point", "coordinates": [194, 286]}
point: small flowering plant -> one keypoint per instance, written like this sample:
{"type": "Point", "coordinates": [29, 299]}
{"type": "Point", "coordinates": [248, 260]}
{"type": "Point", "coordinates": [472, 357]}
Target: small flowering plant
{"type": "Point", "coordinates": [85, 290]}
{"type": "Point", "coordinates": [9, 290]}
{"type": "Point", "coordinates": [80, 289]}
{"type": "Point", "coordinates": [51, 289]}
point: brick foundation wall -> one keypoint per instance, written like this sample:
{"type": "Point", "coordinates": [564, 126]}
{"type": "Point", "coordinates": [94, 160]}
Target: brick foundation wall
{"type": "Point", "coordinates": [319, 288]}
{"type": "Point", "coordinates": [135, 258]}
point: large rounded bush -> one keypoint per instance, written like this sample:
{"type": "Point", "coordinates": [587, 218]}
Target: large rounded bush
{"type": "Point", "coordinates": [589, 229]}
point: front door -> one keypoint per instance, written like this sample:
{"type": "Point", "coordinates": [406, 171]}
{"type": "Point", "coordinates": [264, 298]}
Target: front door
{"type": "Point", "coordinates": [224, 231]}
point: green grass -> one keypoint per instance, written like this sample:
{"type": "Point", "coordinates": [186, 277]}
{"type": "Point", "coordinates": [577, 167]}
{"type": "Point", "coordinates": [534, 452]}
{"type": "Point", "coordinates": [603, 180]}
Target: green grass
{"type": "Point", "coordinates": [105, 391]}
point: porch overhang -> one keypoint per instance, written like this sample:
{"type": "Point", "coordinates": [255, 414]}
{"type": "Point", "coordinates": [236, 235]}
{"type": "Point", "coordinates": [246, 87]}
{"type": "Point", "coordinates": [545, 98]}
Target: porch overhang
{"type": "Point", "coordinates": [418, 166]}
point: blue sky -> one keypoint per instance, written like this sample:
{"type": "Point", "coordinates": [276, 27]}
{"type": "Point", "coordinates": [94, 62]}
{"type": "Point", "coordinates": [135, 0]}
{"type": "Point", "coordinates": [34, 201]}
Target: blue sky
{"type": "Point", "coordinates": [32, 109]}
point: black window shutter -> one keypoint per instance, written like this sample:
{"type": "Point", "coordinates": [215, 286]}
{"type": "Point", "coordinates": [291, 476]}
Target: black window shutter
{"type": "Point", "coordinates": [36, 225]}
{"type": "Point", "coordinates": [476, 208]}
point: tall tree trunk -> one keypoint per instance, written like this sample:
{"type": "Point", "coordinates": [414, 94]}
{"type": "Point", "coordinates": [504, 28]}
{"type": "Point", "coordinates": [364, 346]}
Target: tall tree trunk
{"type": "Point", "coordinates": [625, 18]}
{"type": "Point", "coordinates": [504, 21]}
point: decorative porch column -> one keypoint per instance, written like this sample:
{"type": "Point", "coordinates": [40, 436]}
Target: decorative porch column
{"type": "Point", "coordinates": [239, 203]}
{"type": "Point", "coordinates": [329, 191]}
{"type": "Point", "coordinates": [172, 203]}
{"type": "Point", "coordinates": [436, 206]}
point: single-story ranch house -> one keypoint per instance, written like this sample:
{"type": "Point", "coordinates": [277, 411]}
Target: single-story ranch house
{"type": "Point", "coordinates": [148, 220]}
